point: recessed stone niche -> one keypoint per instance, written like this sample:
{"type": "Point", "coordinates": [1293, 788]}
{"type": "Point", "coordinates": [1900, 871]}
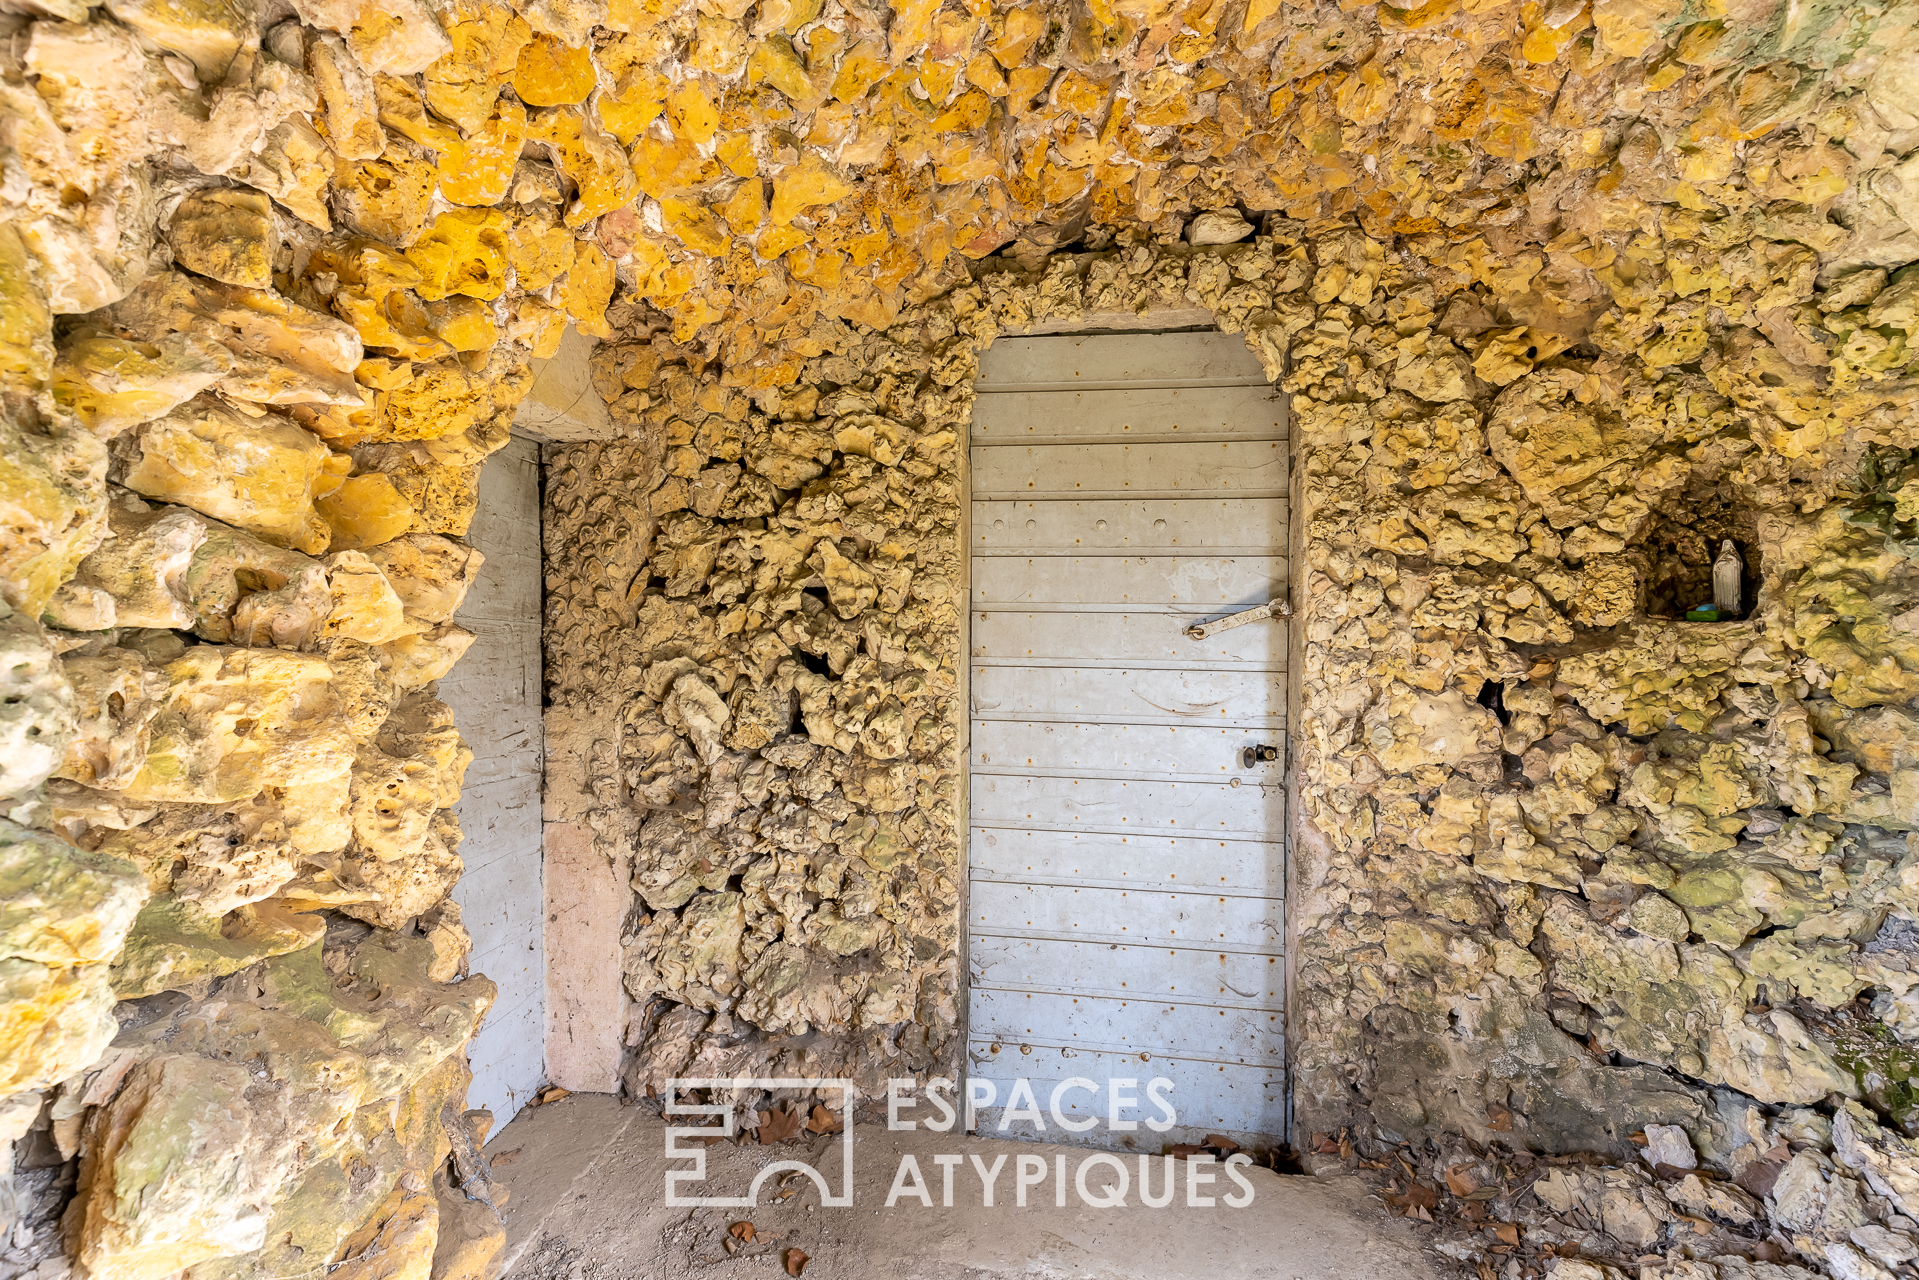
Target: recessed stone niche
{"type": "Point", "coordinates": [1680, 545]}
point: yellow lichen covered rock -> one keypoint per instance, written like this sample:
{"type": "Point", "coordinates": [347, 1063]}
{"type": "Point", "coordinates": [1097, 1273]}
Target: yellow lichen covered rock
{"type": "Point", "coordinates": [261, 475]}
{"type": "Point", "coordinates": [26, 325]}
{"type": "Point", "coordinates": [53, 1021]}
{"type": "Point", "coordinates": [175, 943]}
{"type": "Point", "coordinates": [52, 508]}
{"type": "Point", "coordinates": [236, 720]}
{"type": "Point", "coordinates": [365, 511]}
{"type": "Point", "coordinates": [171, 567]}
{"type": "Point", "coordinates": [390, 198]}
{"type": "Point", "coordinates": [365, 606]}
{"type": "Point", "coordinates": [63, 906]}
{"type": "Point", "coordinates": [431, 574]}
{"type": "Point", "coordinates": [540, 251]}
{"type": "Point", "coordinates": [112, 384]}
{"type": "Point", "coordinates": [66, 914]}
{"type": "Point", "coordinates": [602, 176]}
{"type": "Point", "coordinates": [464, 252]}
{"type": "Point", "coordinates": [352, 112]}
{"type": "Point", "coordinates": [550, 74]}
{"type": "Point", "coordinates": [398, 1242]}
{"type": "Point", "coordinates": [282, 352]}
{"type": "Point", "coordinates": [487, 37]}
{"type": "Point", "coordinates": [464, 324]}
{"type": "Point", "coordinates": [226, 233]}
{"type": "Point", "coordinates": [447, 398]}
{"type": "Point", "coordinates": [589, 287]}
{"type": "Point", "coordinates": [478, 168]}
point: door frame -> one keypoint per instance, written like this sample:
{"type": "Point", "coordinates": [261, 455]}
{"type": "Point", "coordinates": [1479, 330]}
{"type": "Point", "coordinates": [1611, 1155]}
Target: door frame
{"type": "Point", "coordinates": [1092, 325]}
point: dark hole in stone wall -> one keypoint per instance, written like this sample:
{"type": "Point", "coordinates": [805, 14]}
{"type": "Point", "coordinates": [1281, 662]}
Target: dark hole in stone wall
{"type": "Point", "coordinates": [1492, 696]}
{"type": "Point", "coordinates": [814, 662]}
{"type": "Point", "coordinates": [1681, 544]}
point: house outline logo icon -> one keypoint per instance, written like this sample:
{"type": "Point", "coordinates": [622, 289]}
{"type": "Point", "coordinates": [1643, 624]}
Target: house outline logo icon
{"type": "Point", "coordinates": [696, 1151]}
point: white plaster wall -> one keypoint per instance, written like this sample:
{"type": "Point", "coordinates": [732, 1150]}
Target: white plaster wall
{"type": "Point", "coordinates": [495, 693]}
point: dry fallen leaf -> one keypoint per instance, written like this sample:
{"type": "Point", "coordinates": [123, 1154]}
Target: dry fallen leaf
{"type": "Point", "coordinates": [1414, 1201]}
{"type": "Point", "coordinates": [1499, 1119]}
{"type": "Point", "coordinates": [552, 1093]}
{"type": "Point", "coordinates": [795, 1262]}
{"type": "Point", "coordinates": [1225, 1146]}
{"type": "Point", "coordinates": [824, 1121]}
{"type": "Point", "coordinates": [778, 1125]}
{"type": "Point", "coordinates": [741, 1231]}
{"type": "Point", "coordinates": [1460, 1180]}
{"type": "Point", "coordinates": [1508, 1232]}
{"type": "Point", "coordinates": [504, 1159]}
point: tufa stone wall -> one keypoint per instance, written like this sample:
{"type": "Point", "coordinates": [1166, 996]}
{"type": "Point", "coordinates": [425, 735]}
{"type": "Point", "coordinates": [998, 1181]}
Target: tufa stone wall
{"type": "Point", "coordinates": [1569, 871]}
{"type": "Point", "coordinates": [270, 280]}
{"type": "Point", "coordinates": [753, 628]}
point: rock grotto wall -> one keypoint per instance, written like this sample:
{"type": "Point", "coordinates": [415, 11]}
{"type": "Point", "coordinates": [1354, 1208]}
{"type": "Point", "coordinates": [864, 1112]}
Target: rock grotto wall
{"type": "Point", "coordinates": [1569, 870]}
{"type": "Point", "coordinates": [1570, 290]}
{"type": "Point", "coordinates": [753, 628]}
{"type": "Point", "coordinates": [245, 392]}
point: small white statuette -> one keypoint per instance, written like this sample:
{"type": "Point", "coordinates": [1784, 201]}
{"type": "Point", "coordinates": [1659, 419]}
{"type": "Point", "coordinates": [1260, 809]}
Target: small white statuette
{"type": "Point", "coordinates": [1726, 572]}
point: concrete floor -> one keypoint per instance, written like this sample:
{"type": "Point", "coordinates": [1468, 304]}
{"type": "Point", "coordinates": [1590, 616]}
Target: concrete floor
{"type": "Point", "coordinates": [587, 1202]}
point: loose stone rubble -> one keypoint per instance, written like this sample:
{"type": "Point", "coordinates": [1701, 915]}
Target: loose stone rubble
{"type": "Point", "coordinates": [1564, 292]}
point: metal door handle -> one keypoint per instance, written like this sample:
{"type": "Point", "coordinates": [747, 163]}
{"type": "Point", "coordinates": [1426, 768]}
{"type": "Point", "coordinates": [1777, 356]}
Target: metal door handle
{"type": "Point", "coordinates": [1258, 753]}
{"type": "Point", "coordinates": [1271, 609]}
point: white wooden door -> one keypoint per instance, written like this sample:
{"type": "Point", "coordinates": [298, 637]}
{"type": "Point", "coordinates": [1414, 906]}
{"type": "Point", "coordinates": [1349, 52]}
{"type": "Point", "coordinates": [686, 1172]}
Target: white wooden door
{"type": "Point", "coordinates": [1126, 873]}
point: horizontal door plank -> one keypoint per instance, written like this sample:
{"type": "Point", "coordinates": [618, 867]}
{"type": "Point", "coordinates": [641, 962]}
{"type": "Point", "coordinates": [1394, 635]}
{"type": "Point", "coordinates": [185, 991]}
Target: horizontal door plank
{"type": "Point", "coordinates": [1116, 415]}
{"type": "Point", "coordinates": [1234, 699]}
{"type": "Point", "coordinates": [1001, 636]}
{"type": "Point", "coordinates": [1250, 812]}
{"type": "Point", "coordinates": [1230, 978]}
{"type": "Point", "coordinates": [1129, 526]}
{"type": "Point", "coordinates": [1246, 1103]}
{"type": "Point", "coordinates": [1201, 864]}
{"type": "Point", "coordinates": [1026, 746]}
{"type": "Point", "coordinates": [1103, 1025]}
{"type": "Point", "coordinates": [1195, 586]}
{"type": "Point", "coordinates": [1209, 921]}
{"type": "Point", "coordinates": [1229, 468]}
{"type": "Point", "coordinates": [1156, 359]}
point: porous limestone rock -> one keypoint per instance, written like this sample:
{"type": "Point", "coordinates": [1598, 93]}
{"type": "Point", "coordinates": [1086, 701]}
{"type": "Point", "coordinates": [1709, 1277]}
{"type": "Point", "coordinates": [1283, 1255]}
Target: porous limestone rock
{"type": "Point", "coordinates": [235, 720]}
{"type": "Point", "coordinates": [66, 914]}
{"type": "Point", "coordinates": [225, 1121]}
{"type": "Point", "coordinates": [261, 475]}
{"type": "Point", "coordinates": [225, 233]}
{"type": "Point", "coordinates": [114, 384]}
{"type": "Point", "coordinates": [429, 573]}
{"type": "Point", "coordinates": [170, 567]}
{"type": "Point", "coordinates": [175, 943]}
{"type": "Point", "coordinates": [37, 713]}
{"type": "Point", "coordinates": [52, 504]}
{"type": "Point", "coordinates": [1540, 284]}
